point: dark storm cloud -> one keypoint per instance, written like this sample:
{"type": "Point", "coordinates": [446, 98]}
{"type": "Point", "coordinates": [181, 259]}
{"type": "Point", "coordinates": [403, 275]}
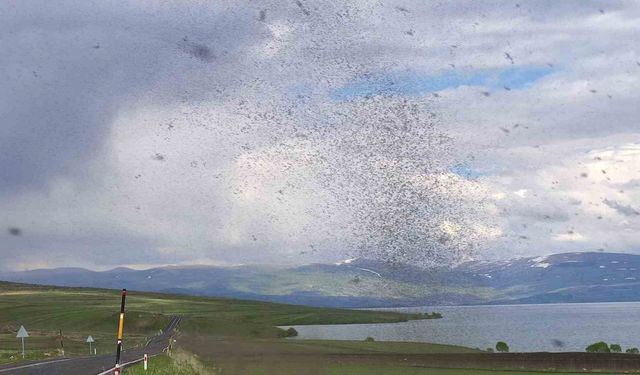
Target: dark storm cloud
{"type": "Point", "coordinates": [68, 70]}
{"type": "Point", "coordinates": [106, 249]}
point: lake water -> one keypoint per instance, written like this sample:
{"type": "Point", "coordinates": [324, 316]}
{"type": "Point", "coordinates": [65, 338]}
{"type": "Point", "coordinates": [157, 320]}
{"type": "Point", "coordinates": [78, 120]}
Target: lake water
{"type": "Point", "coordinates": [556, 327]}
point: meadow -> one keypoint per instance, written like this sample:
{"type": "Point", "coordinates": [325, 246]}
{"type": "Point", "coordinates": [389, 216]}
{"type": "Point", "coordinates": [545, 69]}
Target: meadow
{"type": "Point", "coordinates": [81, 312]}
{"type": "Point", "coordinates": [216, 335]}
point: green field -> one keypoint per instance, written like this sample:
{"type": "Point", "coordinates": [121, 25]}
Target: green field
{"type": "Point", "coordinates": [81, 312]}
{"type": "Point", "coordinates": [182, 364]}
{"type": "Point", "coordinates": [216, 336]}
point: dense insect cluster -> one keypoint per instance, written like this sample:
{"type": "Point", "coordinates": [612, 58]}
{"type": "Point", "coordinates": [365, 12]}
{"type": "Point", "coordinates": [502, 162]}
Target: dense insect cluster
{"type": "Point", "coordinates": [379, 171]}
{"type": "Point", "coordinates": [306, 131]}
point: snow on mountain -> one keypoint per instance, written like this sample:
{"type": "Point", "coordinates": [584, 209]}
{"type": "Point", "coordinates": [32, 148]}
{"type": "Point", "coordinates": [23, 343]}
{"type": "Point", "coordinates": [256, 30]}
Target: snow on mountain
{"type": "Point", "coordinates": [570, 277]}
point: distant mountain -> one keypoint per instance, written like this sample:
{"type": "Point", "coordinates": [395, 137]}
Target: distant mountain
{"type": "Point", "coordinates": [571, 277]}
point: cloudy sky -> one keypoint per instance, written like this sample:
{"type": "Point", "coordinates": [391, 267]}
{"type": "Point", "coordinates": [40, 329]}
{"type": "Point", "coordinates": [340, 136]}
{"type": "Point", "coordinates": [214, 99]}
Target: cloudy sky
{"type": "Point", "coordinates": [225, 132]}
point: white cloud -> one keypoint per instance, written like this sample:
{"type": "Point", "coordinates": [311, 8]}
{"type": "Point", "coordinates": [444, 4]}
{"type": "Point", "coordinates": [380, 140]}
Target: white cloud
{"type": "Point", "coordinates": [582, 201]}
{"type": "Point", "coordinates": [210, 119]}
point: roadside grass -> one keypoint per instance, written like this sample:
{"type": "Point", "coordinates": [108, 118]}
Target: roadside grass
{"type": "Point", "coordinates": [159, 365]}
{"type": "Point", "coordinates": [180, 363]}
{"type": "Point", "coordinates": [8, 356]}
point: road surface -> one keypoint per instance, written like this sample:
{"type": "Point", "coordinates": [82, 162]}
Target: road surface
{"type": "Point", "coordinates": [92, 365]}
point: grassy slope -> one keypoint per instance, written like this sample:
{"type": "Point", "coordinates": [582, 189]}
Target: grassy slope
{"type": "Point", "coordinates": [81, 312]}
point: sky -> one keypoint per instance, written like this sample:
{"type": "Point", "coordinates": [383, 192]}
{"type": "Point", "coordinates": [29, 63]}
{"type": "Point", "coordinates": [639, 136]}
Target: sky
{"type": "Point", "coordinates": [147, 133]}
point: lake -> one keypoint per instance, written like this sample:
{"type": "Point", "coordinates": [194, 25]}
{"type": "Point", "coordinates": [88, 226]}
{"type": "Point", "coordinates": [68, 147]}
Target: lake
{"type": "Point", "coordinates": [552, 327]}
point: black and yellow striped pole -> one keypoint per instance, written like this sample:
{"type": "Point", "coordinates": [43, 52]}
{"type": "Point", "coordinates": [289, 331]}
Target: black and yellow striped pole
{"type": "Point", "coordinates": [116, 369]}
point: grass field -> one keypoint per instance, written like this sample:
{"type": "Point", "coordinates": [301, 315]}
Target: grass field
{"type": "Point", "coordinates": [216, 336]}
{"type": "Point", "coordinates": [182, 364]}
{"type": "Point", "coordinates": [82, 312]}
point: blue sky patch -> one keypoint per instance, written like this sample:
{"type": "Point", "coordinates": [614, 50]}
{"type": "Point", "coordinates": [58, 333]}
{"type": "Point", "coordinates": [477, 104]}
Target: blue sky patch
{"type": "Point", "coordinates": [415, 84]}
{"type": "Point", "coordinates": [465, 171]}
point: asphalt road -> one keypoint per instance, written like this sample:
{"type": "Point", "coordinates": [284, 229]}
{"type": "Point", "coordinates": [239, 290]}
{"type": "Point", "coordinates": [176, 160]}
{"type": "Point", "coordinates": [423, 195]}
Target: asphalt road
{"type": "Point", "coordinates": [96, 364]}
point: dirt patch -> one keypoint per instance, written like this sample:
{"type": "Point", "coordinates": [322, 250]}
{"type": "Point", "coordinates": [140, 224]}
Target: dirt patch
{"type": "Point", "coordinates": [506, 361]}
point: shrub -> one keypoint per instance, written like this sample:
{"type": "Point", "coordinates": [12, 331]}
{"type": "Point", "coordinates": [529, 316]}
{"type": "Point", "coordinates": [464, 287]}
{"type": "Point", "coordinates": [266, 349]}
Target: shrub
{"type": "Point", "coordinates": [632, 351]}
{"type": "Point", "coordinates": [490, 350]}
{"type": "Point", "coordinates": [369, 339]}
{"type": "Point", "coordinates": [502, 347]}
{"type": "Point", "coordinates": [291, 332]}
{"type": "Point", "coordinates": [433, 315]}
{"type": "Point", "coordinates": [615, 348]}
{"type": "Point", "coordinates": [281, 333]}
{"type": "Point", "coordinates": [598, 347]}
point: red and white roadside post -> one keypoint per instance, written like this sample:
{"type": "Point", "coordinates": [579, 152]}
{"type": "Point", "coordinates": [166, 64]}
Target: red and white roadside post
{"type": "Point", "coordinates": [145, 361]}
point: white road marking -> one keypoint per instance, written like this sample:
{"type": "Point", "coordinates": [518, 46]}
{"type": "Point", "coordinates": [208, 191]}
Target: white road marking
{"type": "Point", "coordinates": [36, 364]}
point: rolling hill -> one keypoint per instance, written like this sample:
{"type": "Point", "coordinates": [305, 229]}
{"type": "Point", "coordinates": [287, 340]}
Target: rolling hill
{"type": "Point", "coordinates": [570, 277]}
